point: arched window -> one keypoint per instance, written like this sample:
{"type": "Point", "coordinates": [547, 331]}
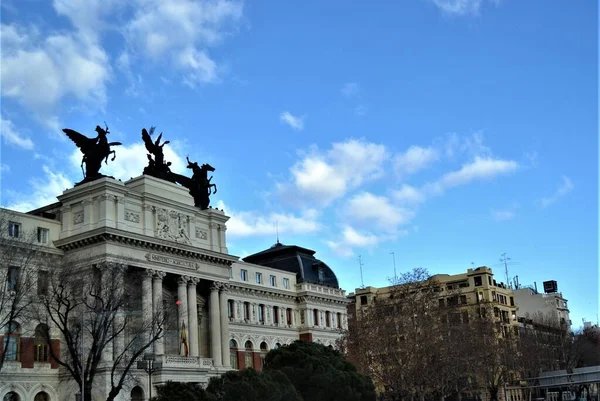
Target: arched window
{"type": "Point", "coordinates": [277, 345]}
{"type": "Point", "coordinates": [137, 394]}
{"type": "Point", "coordinates": [12, 396]}
{"type": "Point", "coordinates": [42, 351]}
{"type": "Point", "coordinates": [42, 396]}
{"type": "Point", "coordinates": [12, 335]}
{"type": "Point", "coordinates": [248, 359]}
{"type": "Point", "coordinates": [233, 354]}
{"type": "Point", "coordinates": [264, 350]}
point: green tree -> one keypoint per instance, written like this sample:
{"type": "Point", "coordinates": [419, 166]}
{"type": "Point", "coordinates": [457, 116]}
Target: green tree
{"type": "Point", "coordinates": [320, 373]}
{"type": "Point", "coordinates": [250, 385]}
{"type": "Point", "coordinates": [171, 391]}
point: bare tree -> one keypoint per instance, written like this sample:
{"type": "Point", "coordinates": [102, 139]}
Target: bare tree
{"type": "Point", "coordinates": [97, 310]}
{"type": "Point", "coordinates": [20, 259]}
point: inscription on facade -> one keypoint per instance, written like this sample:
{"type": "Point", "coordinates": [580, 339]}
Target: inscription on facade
{"type": "Point", "coordinates": [132, 216]}
{"type": "Point", "coordinates": [173, 226]}
{"type": "Point", "coordinates": [153, 257]}
{"type": "Point", "coordinates": [78, 218]}
{"type": "Point", "coordinates": [201, 234]}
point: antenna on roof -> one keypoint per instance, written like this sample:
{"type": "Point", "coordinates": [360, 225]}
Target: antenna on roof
{"type": "Point", "coordinates": [277, 230]}
{"type": "Point", "coordinates": [505, 259]}
{"type": "Point", "coordinates": [360, 264]}
{"type": "Point", "coordinates": [394, 258]}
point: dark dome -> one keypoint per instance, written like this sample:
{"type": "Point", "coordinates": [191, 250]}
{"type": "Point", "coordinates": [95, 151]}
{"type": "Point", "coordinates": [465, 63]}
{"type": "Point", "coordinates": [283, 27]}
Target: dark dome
{"type": "Point", "coordinates": [295, 259]}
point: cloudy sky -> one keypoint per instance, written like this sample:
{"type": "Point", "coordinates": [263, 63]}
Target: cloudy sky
{"type": "Point", "coordinates": [446, 131]}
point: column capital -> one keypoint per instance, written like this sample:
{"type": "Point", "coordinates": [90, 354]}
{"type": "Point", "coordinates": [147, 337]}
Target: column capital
{"type": "Point", "coordinates": [224, 287]}
{"type": "Point", "coordinates": [120, 199]}
{"type": "Point", "coordinates": [86, 202]}
{"type": "Point", "coordinates": [194, 281]}
{"type": "Point", "coordinates": [107, 197]}
{"type": "Point", "coordinates": [183, 280]}
{"type": "Point", "coordinates": [159, 275]}
{"type": "Point", "coordinates": [149, 272]}
{"type": "Point", "coordinates": [215, 286]}
{"type": "Point", "coordinates": [147, 207]}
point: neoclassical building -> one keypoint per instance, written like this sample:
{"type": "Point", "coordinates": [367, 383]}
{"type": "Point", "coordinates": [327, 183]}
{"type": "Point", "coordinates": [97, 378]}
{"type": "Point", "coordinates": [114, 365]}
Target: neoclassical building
{"type": "Point", "coordinates": [234, 311]}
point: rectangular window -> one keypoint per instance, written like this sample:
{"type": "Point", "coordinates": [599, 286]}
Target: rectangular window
{"type": "Point", "coordinates": [363, 300]}
{"type": "Point", "coordinates": [244, 275]}
{"type": "Point", "coordinates": [14, 229]}
{"type": "Point", "coordinates": [490, 280]}
{"type": "Point", "coordinates": [463, 299]}
{"type": "Point", "coordinates": [230, 306]}
{"type": "Point", "coordinates": [42, 235]}
{"type": "Point", "coordinates": [247, 311]}
{"type": "Point", "coordinates": [286, 283]}
{"type": "Point", "coordinates": [465, 317]}
{"type": "Point", "coordinates": [288, 313]}
{"type": "Point", "coordinates": [276, 314]}
{"type": "Point", "coordinates": [478, 281]}
{"type": "Point", "coordinates": [258, 278]}
{"type": "Point", "coordinates": [339, 320]}
{"type": "Point", "coordinates": [41, 353]}
{"type": "Point", "coordinates": [12, 349]}
{"type": "Point", "coordinates": [42, 282]}
{"type": "Point", "coordinates": [316, 317]}
{"type": "Point", "coordinates": [261, 313]}
{"type": "Point", "coordinates": [273, 281]}
{"type": "Point", "coordinates": [12, 278]}
{"type": "Point", "coordinates": [327, 319]}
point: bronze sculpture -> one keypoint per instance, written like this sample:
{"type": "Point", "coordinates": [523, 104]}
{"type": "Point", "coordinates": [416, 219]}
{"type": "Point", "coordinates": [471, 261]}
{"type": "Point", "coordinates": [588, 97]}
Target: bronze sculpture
{"type": "Point", "coordinates": [94, 150]}
{"type": "Point", "coordinates": [199, 184]}
{"type": "Point", "coordinates": [156, 166]}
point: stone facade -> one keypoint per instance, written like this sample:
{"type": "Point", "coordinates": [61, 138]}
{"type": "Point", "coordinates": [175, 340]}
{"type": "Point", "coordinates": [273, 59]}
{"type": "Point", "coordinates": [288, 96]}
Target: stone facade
{"type": "Point", "coordinates": [152, 225]}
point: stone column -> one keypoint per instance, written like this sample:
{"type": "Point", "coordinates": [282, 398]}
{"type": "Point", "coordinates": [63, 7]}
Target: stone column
{"type": "Point", "coordinates": [107, 210]}
{"type": "Point", "coordinates": [224, 325]}
{"type": "Point", "coordinates": [157, 304]}
{"type": "Point", "coordinates": [67, 221]}
{"type": "Point", "coordinates": [148, 219]}
{"type": "Point", "coordinates": [236, 312]}
{"type": "Point", "coordinates": [215, 325]}
{"type": "Point", "coordinates": [147, 301]}
{"type": "Point", "coordinates": [120, 212]}
{"type": "Point", "coordinates": [87, 213]}
{"type": "Point", "coordinates": [192, 305]}
{"type": "Point", "coordinates": [182, 308]}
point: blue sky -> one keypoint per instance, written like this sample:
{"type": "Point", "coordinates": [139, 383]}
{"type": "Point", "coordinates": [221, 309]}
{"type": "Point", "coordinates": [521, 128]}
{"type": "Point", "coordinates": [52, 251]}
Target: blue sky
{"type": "Point", "coordinates": [445, 131]}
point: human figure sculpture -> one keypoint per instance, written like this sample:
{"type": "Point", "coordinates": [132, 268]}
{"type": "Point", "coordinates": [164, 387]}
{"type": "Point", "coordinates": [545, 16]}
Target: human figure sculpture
{"type": "Point", "coordinates": [94, 150]}
{"type": "Point", "coordinates": [199, 184]}
{"type": "Point", "coordinates": [156, 166]}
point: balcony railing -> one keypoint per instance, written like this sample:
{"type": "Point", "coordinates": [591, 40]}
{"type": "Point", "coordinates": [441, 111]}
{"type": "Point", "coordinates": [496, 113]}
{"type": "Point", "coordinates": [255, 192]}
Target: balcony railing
{"type": "Point", "coordinates": [191, 362]}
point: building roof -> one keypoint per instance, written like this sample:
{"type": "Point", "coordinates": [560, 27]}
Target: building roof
{"type": "Point", "coordinates": [295, 259]}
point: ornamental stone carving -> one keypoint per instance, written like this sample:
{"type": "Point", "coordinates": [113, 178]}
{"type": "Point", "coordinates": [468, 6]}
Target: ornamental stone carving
{"type": "Point", "coordinates": [78, 218]}
{"type": "Point", "coordinates": [132, 216]}
{"type": "Point", "coordinates": [201, 234]}
{"type": "Point", "coordinates": [172, 226]}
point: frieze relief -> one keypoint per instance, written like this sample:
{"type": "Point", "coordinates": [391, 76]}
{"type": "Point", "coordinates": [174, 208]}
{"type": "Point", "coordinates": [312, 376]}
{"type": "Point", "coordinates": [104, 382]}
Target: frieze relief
{"type": "Point", "coordinates": [201, 234]}
{"type": "Point", "coordinates": [132, 216]}
{"type": "Point", "coordinates": [78, 218]}
{"type": "Point", "coordinates": [172, 226]}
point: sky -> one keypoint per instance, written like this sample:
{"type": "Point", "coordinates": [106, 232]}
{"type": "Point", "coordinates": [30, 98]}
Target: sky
{"type": "Point", "coordinates": [434, 133]}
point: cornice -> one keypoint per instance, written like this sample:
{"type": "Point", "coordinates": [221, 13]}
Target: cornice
{"type": "Point", "coordinates": [261, 293]}
{"type": "Point", "coordinates": [107, 234]}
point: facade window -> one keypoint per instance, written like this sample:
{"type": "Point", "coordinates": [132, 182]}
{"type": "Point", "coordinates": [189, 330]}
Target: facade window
{"type": "Point", "coordinates": [321, 274]}
{"type": "Point", "coordinates": [12, 335]}
{"type": "Point", "coordinates": [465, 317]}
{"type": "Point", "coordinates": [261, 313]}
{"type": "Point", "coordinates": [247, 311]}
{"type": "Point", "coordinates": [258, 278]}
{"type": "Point", "coordinates": [14, 229]}
{"type": "Point", "coordinates": [463, 299]}
{"type": "Point", "coordinates": [230, 272]}
{"type": "Point", "coordinates": [12, 396]}
{"type": "Point", "coordinates": [477, 280]}
{"type": "Point", "coordinates": [327, 319]}
{"type": "Point", "coordinates": [316, 317]}
{"type": "Point", "coordinates": [276, 314]}
{"type": "Point", "coordinates": [264, 350]}
{"type": "Point", "coordinates": [233, 354]}
{"type": "Point", "coordinates": [273, 281]}
{"type": "Point", "coordinates": [42, 396]}
{"type": "Point", "coordinates": [453, 301]}
{"type": "Point", "coordinates": [286, 283]}
{"type": "Point", "coordinates": [288, 315]}
{"type": "Point", "coordinates": [490, 280]}
{"type": "Point", "coordinates": [363, 300]}
{"type": "Point", "coordinates": [244, 275]}
{"type": "Point", "coordinates": [339, 320]}
{"type": "Point", "coordinates": [230, 306]}
{"type": "Point", "coordinates": [42, 282]}
{"type": "Point", "coordinates": [42, 235]}
{"type": "Point", "coordinates": [442, 302]}
{"type": "Point", "coordinates": [12, 278]}
{"type": "Point", "coordinates": [42, 351]}
{"type": "Point", "coordinates": [277, 345]}
{"type": "Point", "coordinates": [248, 359]}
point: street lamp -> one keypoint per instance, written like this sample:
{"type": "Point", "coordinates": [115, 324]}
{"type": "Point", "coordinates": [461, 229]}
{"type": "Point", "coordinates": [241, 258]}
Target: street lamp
{"type": "Point", "coordinates": [150, 366]}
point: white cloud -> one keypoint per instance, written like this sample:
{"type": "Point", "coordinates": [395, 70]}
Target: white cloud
{"type": "Point", "coordinates": [414, 159]}
{"type": "Point", "coordinates": [377, 211]}
{"type": "Point", "coordinates": [408, 194]}
{"type": "Point", "coordinates": [350, 89]}
{"type": "Point", "coordinates": [481, 168]}
{"type": "Point", "coordinates": [39, 72]}
{"type": "Point", "coordinates": [340, 249]}
{"type": "Point", "coordinates": [180, 31]}
{"type": "Point", "coordinates": [354, 238]}
{"type": "Point", "coordinates": [503, 215]}
{"type": "Point", "coordinates": [4, 168]}
{"type": "Point", "coordinates": [459, 7]}
{"type": "Point", "coordinates": [11, 136]}
{"type": "Point", "coordinates": [246, 224]}
{"type": "Point", "coordinates": [42, 191]}
{"type": "Point", "coordinates": [564, 188]}
{"type": "Point", "coordinates": [324, 177]}
{"type": "Point", "coordinates": [288, 118]}
{"type": "Point", "coordinates": [360, 110]}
